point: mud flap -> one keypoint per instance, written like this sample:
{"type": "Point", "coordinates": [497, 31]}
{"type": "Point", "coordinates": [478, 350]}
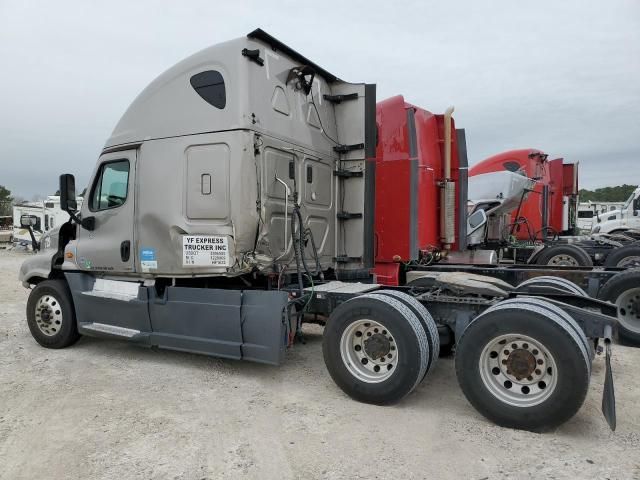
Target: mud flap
{"type": "Point", "coordinates": [608, 394]}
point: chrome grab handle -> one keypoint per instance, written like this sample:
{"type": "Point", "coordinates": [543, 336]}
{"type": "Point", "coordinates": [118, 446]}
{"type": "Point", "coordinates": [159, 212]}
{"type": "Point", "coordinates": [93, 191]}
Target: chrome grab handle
{"type": "Point", "coordinates": [287, 192]}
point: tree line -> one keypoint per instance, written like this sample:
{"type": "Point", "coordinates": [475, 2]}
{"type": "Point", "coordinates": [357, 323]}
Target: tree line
{"type": "Point", "coordinates": [618, 193]}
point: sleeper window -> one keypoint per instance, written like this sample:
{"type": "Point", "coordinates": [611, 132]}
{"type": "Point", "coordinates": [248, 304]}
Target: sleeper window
{"type": "Point", "coordinates": [210, 86]}
{"type": "Point", "coordinates": [111, 186]}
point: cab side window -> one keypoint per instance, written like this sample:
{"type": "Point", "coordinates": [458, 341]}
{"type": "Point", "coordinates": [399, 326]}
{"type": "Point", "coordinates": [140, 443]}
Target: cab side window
{"type": "Point", "coordinates": [110, 186]}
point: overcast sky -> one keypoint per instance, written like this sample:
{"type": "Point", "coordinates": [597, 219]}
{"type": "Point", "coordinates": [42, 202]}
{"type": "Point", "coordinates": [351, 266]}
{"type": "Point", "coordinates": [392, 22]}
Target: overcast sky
{"type": "Point", "coordinates": [561, 76]}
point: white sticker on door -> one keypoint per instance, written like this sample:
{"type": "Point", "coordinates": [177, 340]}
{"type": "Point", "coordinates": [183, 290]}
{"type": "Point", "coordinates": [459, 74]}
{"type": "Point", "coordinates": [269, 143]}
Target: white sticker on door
{"type": "Point", "coordinates": [205, 251]}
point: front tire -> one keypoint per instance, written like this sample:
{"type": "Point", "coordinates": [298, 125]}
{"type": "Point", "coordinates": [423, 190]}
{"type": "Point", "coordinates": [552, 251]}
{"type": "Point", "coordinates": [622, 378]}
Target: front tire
{"type": "Point", "coordinates": [50, 315]}
{"type": "Point", "coordinates": [523, 366]}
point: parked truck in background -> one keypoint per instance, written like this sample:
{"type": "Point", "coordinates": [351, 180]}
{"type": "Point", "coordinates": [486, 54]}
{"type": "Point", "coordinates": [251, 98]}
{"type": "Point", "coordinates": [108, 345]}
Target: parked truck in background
{"type": "Point", "coordinates": [242, 191]}
{"type": "Point", "coordinates": [45, 216]}
{"type": "Point", "coordinates": [622, 220]}
{"type": "Point", "coordinates": [548, 215]}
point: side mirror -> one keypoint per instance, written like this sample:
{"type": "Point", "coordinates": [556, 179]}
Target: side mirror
{"type": "Point", "coordinates": [27, 221]}
{"type": "Point", "coordinates": [68, 192]}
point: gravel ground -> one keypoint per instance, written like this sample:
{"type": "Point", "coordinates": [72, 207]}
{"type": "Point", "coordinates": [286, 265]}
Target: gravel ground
{"type": "Point", "coordinates": [106, 409]}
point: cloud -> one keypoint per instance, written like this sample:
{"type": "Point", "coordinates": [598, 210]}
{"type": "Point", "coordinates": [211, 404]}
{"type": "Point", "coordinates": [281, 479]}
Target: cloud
{"type": "Point", "coordinates": [559, 76]}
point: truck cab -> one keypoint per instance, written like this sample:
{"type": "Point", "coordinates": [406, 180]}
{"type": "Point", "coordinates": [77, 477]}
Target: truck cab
{"type": "Point", "coordinates": [620, 220]}
{"type": "Point", "coordinates": [237, 166]}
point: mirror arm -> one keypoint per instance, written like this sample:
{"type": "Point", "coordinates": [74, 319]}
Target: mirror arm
{"type": "Point", "coordinates": [34, 243]}
{"type": "Point", "coordinates": [88, 223]}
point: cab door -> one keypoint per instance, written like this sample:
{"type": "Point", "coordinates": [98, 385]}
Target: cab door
{"type": "Point", "coordinates": [110, 200]}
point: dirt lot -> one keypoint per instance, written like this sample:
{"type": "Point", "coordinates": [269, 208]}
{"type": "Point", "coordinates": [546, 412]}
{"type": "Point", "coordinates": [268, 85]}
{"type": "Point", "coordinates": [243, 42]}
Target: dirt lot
{"type": "Point", "coordinates": [105, 409]}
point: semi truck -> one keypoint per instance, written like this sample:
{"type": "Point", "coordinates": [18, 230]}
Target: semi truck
{"type": "Point", "coordinates": [623, 220]}
{"type": "Point", "coordinates": [239, 194]}
{"type": "Point", "coordinates": [547, 216]}
{"type": "Point", "coordinates": [421, 233]}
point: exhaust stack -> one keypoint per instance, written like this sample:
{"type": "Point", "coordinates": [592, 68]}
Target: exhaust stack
{"type": "Point", "coordinates": [448, 192]}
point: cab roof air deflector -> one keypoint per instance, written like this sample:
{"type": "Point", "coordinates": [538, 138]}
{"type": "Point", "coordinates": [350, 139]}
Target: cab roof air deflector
{"type": "Point", "coordinates": [276, 44]}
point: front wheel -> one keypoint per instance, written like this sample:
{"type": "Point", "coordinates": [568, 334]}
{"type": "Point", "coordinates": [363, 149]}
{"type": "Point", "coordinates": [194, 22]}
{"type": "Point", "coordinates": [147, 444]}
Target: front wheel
{"type": "Point", "coordinates": [523, 365]}
{"type": "Point", "coordinates": [51, 316]}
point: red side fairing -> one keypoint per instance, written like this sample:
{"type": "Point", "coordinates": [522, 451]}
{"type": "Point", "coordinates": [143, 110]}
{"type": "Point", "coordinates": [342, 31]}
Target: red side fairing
{"type": "Point", "coordinates": [403, 228]}
{"type": "Point", "coordinates": [555, 195]}
{"type": "Point", "coordinates": [392, 181]}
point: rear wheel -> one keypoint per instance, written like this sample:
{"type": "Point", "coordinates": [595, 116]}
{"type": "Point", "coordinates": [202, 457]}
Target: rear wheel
{"type": "Point", "coordinates": [564, 256]}
{"type": "Point", "coordinates": [624, 257]}
{"type": "Point", "coordinates": [426, 320]}
{"type": "Point", "coordinates": [375, 349]}
{"type": "Point", "coordinates": [553, 282]}
{"type": "Point", "coordinates": [623, 289]}
{"type": "Point", "coordinates": [51, 316]}
{"type": "Point", "coordinates": [524, 366]}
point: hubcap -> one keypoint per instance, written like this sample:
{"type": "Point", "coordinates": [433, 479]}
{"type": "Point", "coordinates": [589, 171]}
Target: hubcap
{"type": "Point", "coordinates": [48, 315]}
{"type": "Point", "coordinates": [629, 262]}
{"type": "Point", "coordinates": [369, 351]}
{"type": "Point", "coordinates": [629, 309]}
{"type": "Point", "coordinates": [518, 370]}
{"type": "Point", "coordinates": [563, 260]}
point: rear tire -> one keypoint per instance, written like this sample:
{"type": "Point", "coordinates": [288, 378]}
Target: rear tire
{"type": "Point", "coordinates": [426, 320]}
{"type": "Point", "coordinates": [363, 330]}
{"type": "Point", "coordinates": [50, 315]}
{"type": "Point", "coordinates": [564, 256]}
{"type": "Point", "coordinates": [554, 282]}
{"type": "Point", "coordinates": [623, 290]}
{"type": "Point", "coordinates": [523, 366]}
{"type": "Point", "coordinates": [624, 257]}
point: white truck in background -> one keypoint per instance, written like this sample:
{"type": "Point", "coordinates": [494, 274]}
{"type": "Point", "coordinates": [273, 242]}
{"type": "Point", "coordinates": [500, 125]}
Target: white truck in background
{"type": "Point", "coordinates": [46, 215]}
{"type": "Point", "coordinates": [620, 220]}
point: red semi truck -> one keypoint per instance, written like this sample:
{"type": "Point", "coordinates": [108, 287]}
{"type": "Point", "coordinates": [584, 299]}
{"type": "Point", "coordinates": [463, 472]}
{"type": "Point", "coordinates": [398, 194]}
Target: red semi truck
{"type": "Point", "coordinates": [552, 205]}
{"type": "Point", "coordinates": [423, 226]}
{"type": "Point", "coordinates": [548, 214]}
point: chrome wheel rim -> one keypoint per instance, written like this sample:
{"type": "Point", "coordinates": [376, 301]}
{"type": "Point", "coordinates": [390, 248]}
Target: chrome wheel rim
{"type": "Point", "coordinates": [563, 260]}
{"type": "Point", "coordinates": [48, 315]}
{"type": "Point", "coordinates": [518, 370]}
{"type": "Point", "coordinates": [629, 309]}
{"type": "Point", "coordinates": [369, 351]}
{"type": "Point", "coordinates": [629, 262]}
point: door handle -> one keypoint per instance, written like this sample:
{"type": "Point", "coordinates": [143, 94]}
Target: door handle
{"type": "Point", "coordinates": [125, 250]}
